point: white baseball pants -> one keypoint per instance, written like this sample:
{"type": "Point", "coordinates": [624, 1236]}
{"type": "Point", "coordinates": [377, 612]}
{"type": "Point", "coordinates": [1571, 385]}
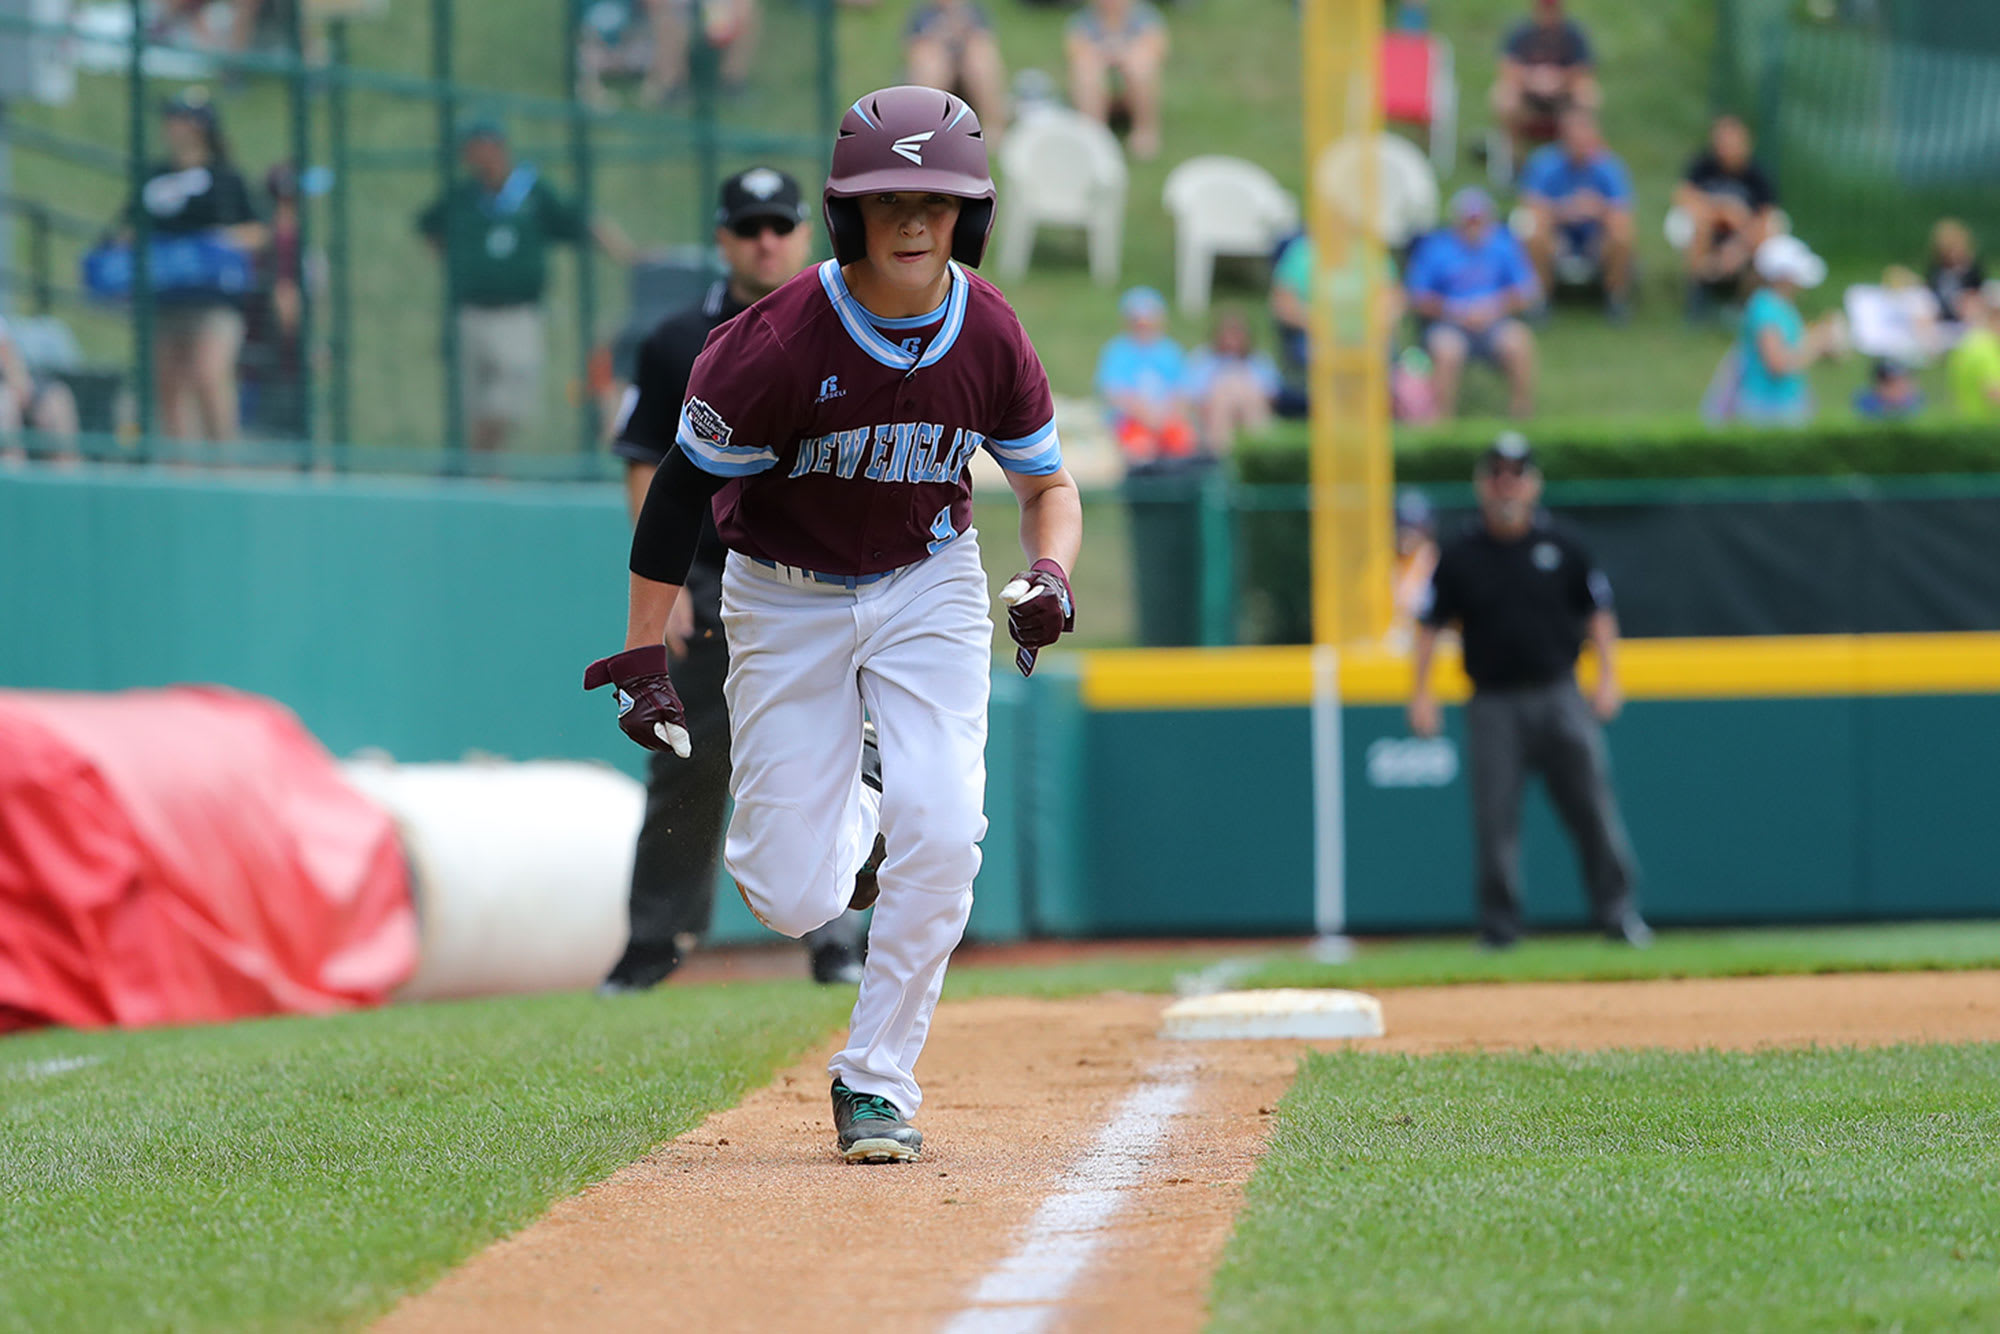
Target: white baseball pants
{"type": "Point", "coordinates": [916, 649]}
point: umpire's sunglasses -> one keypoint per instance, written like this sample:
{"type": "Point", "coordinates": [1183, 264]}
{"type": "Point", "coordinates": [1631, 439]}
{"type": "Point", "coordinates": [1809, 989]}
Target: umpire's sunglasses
{"type": "Point", "coordinates": [749, 229]}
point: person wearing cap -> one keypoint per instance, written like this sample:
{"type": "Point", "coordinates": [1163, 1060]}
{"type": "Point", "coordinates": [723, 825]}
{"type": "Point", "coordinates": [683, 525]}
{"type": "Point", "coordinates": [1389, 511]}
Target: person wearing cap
{"type": "Point", "coordinates": [1774, 346]}
{"type": "Point", "coordinates": [1140, 374]}
{"type": "Point", "coordinates": [1892, 393]}
{"type": "Point", "coordinates": [765, 239]}
{"type": "Point", "coordinates": [1416, 562]}
{"type": "Point", "coordinates": [1546, 67]}
{"type": "Point", "coordinates": [196, 200]}
{"type": "Point", "coordinates": [1471, 284]}
{"type": "Point", "coordinates": [1580, 196]}
{"type": "Point", "coordinates": [494, 229]}
{"type": "Point", "coordinates": [1524, 595]}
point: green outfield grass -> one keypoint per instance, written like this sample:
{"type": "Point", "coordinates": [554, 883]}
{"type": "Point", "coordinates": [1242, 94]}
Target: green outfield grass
{"type": "Point", "coordinates": [301, 1173]}
{"type": "Point", "coordinates": [1882, 947]}
{"type": "Point", "coordinates": [1781, 1191]}
{"type": "Point", "coordinates": [1440, 961]}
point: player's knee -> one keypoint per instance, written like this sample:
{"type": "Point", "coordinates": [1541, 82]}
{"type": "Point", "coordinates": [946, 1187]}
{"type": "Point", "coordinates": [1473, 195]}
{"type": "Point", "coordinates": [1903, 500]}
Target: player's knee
{"type": "Point", "coordinates": [944, 854]}
{"type": "Point", "coordinates": [788, 914]}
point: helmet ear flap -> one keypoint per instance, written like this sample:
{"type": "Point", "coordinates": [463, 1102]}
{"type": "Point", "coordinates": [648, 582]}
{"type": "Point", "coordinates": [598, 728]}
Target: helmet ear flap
{"type": "Point", "coordinates": [975, 224]}
{"type": "Point", "coordinates": [845, 229]}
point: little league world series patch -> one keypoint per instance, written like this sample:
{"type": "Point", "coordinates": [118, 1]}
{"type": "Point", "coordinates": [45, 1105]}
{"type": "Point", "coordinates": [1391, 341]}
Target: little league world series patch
{"type": "Point", "coordinates": [707, 424]}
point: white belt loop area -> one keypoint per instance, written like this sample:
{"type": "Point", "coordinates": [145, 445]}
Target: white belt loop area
{"type": "Point", "coordinates": [793, 574]}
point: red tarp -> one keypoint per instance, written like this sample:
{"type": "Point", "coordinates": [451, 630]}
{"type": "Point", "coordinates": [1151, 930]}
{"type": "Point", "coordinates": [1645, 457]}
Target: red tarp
{"type": "Point", "coordinates": [183, 856]}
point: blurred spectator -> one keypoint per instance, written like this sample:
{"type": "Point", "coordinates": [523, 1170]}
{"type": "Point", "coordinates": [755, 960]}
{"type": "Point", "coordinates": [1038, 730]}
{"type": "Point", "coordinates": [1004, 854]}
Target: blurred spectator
{"type": "Point", "coordinates": [195, 194]}
{"type": "Point", "coordinates": [494, 230]}
{"type": "Point", "coordinates": [1955, 271]}
{"type": "Point", "coordinates": [230, 26]}
{"type": "Point", "coordinates": [1892, 393]}
{"type": "Point", "coordinates": [1409, 16]}
{"type": "Point", "coordinates": [729, 27]}
{"type": "Point", "coordinates": [1581, 197]}
{"type": "Point", "coordinates": [1729, 204]}
{"type": "Point", "coordinates": [949, 44]}
{"type": "Point", "coordinates": [1775, 347]}
{"type": "Point", "coordinates": [1471, 284]}
{"type": "Point", "coordinates": [1139, 378]}
{"type": "Point", "coordinates": [1117, 49]}
{"type": "Point", "coordinates": [272, 356]}
{"type": "Point", "coordinates": [1230, 385]}
{"type": "Point", "coordinates": [1416, 561]}
{"type": "Point", "coordinates": [1974, 365]}
{"type": "Point", "coordinates": [44, 406]}
{"type": "Point", "coordinates": [1346, 280]}
{"type": "Point", "coordinates": [1546, 67]}
{"type": "Point", "coordinates": [618, 39]}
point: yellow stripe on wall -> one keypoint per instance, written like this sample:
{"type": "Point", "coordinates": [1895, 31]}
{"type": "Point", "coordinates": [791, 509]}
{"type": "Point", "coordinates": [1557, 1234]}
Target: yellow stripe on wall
{"type": "Point", "coordinates": [1775, 668]}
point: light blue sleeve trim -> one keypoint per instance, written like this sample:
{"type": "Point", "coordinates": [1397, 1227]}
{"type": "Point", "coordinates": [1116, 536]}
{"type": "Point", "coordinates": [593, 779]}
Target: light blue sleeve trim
{"type": "Point", "coordinates": [722, 460]}
{"type": "Point", "coordinates": [1034, 455]}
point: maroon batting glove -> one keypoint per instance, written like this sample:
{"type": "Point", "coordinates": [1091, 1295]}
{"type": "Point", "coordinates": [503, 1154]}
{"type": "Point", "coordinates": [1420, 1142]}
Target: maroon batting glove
{"type": "Point", "coordinates": [648, 709]}
{"type": "Point", "coordinates": [1039, 610]}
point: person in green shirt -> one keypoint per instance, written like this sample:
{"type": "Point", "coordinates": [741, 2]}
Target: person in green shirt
{"type": "Point", "coordinates": [494, 229]}
{"type": "Point", "coordinates": [1974, 365]}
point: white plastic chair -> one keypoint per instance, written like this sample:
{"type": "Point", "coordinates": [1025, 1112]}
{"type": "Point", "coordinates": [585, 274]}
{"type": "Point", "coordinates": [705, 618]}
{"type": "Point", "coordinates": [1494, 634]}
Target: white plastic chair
{"type": "Point", "coordinates": [1222, 206]}
{"type": "Point", "coordinates": [1407, 198]}
{"type": "Point", "coordinates": [1063, 169]}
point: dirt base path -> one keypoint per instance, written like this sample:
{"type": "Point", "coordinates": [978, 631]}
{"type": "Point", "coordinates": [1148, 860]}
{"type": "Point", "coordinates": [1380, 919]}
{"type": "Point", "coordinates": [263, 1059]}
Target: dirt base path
{"type": "Point", "coordinates": [749, 1222]}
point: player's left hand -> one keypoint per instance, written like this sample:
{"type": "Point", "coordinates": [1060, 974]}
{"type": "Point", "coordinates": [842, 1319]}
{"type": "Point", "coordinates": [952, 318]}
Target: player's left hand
{"type": "Point", "coordinates": [1040, 609]}
{"type": "Point", "coordinates": [649, 708]}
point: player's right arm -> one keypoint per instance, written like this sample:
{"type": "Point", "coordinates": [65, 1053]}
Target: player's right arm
{"type": "Point", "coordinates": [735, 398]}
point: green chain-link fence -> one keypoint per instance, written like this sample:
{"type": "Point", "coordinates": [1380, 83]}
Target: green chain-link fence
{"type": "Point", "coordinates": [369, 113]}
{"type": "Point", "coordinates": [1876, 116]}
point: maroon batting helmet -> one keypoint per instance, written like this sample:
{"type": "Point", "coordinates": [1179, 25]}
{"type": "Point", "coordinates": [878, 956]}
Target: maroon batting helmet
{"type": "Point", "coordinates": [909, 138]}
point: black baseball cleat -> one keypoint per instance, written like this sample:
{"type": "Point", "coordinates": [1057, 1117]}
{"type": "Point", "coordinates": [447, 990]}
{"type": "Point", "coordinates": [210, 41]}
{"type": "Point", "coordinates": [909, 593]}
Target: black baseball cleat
{"type": "Point", "coordinates": [871, 1130]}
{"type": "Point", "coordinates": [866, 887]}
{"type": "Point", "coordinates": [838, 964]}
{"type": "Point", "coordinates": [1631, 929]}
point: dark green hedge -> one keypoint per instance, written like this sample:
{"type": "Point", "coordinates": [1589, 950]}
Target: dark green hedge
{"type": "Point", "coordinates": [1612, 450]}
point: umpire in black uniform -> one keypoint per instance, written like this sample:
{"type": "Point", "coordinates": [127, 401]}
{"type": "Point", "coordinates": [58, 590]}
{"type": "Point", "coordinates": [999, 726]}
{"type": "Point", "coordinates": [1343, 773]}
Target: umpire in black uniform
{"type": "Point", "coordinates": [762, 232]}
{"type": "Point", "coordinates": [1524, 595]}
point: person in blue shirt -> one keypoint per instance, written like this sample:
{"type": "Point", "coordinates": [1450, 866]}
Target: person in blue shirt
{"type": "Point", "coordinates": [1230, 385]}
{"type": "Point", "coordinates": [1892, 393]}
{"type": "Point", "coordinates": [1775, 347]}
{"type": "Point", "coordinates": [1581, 197]}
{"type": "Point", "coordinates": [1140, 375]}
{"type": "Point", "coordinates": [1471, 284]}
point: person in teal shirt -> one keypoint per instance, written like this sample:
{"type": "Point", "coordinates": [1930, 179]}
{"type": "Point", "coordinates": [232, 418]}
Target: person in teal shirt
{"type": "Point", "coordinates": [1774, 346]}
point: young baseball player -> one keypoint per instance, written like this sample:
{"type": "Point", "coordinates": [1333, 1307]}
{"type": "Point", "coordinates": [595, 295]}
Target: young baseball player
{"type": "Point", "coordinates": [829, 427]}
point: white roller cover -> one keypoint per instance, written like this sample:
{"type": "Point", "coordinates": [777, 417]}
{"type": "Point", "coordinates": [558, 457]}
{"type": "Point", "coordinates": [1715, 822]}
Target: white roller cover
{"type": "Point", "coordinates": [521, 870]}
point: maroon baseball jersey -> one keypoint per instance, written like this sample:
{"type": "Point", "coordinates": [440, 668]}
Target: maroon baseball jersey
{"type": "Point", "coordinates": [845, 436]}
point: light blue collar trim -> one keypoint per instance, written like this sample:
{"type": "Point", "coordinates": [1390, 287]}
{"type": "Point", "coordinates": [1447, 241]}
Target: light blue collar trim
{"type": "Point", "coordinates": [862, 327]}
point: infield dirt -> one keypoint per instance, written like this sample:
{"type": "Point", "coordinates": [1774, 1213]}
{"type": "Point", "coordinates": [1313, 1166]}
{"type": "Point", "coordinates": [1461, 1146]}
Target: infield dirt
{"type": "Point", "coordinates": [749, 1221]}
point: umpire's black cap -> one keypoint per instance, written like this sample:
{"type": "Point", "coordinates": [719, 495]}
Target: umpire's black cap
{"type": "Point", "coordinates": [759, 192]}
{"type": "Point", "coordinates": [1511, 450]}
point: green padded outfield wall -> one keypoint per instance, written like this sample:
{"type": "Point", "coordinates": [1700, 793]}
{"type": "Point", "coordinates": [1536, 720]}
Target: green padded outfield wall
{"type": "Point", "coordinates": [1758, 810]}
{"type": "Point", "coordinates": [428, 620]}
{"type": "Point", "coordinates": [432, 620]}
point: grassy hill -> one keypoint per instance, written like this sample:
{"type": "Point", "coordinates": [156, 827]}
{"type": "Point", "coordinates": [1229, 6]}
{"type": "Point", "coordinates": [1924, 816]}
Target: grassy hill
{"type": "Point", "coordinates": [1233, 88]}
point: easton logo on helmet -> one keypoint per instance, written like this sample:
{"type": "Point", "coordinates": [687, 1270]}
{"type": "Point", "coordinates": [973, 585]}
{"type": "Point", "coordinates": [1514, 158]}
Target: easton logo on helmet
{"type": "Point", "coordinates": [911, 146]}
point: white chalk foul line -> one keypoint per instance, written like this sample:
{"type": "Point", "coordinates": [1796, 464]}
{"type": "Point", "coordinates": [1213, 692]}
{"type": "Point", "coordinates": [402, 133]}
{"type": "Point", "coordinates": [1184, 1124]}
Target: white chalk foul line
{"type": "Point", "coordinates": [61, 1065]}
{"type": "Point", "coordinates": [1020, 1295]}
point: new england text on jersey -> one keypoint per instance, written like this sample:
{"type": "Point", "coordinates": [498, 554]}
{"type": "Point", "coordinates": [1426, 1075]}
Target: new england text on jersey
{"type": "Point", "coordinates": [896, 452]}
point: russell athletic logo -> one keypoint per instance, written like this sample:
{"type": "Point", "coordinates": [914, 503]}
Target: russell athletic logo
{"type": "Point", "coordinates": [911, 146]}
{"type": "Point", "coordinates": [830, 388]}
